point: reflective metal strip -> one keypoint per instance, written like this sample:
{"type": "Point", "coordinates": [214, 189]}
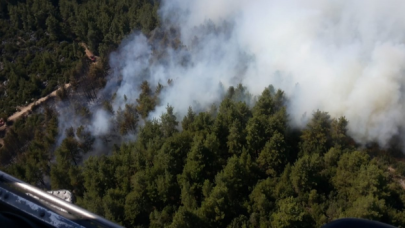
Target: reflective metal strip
{"type": "Point", "coordinates": [41, 213]}
{"type": "Point", "coordinates": [70, 208]}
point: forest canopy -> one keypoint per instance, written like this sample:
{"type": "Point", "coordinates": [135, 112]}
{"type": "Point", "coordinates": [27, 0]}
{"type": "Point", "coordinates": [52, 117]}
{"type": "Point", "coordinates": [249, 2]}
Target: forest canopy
{"type": "Point", "coordinates": [41, 49]}
{"type": "Point", "coordinates": [232, 166]}
{"type": "Point", "coordinates": [238, 163]}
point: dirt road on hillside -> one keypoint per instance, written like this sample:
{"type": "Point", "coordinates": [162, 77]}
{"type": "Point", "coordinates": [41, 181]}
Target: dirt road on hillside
{"type": "Point", "coordinates": [24, 111]}
{"type": "Point", "coordinates": [89, 54]}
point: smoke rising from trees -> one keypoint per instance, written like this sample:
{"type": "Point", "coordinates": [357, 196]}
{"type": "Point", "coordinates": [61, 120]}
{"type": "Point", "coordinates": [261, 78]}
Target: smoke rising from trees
{"type": "Point", "coordinates": [338, 56]}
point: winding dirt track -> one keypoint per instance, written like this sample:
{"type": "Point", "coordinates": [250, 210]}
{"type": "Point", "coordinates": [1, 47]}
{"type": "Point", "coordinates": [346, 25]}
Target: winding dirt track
{"type": "Point", "coordinates": [89, 54]}
{"type": "Point", "coordinates": [23, 111]}
{"type": "Point", "coordinates": [27, 109]}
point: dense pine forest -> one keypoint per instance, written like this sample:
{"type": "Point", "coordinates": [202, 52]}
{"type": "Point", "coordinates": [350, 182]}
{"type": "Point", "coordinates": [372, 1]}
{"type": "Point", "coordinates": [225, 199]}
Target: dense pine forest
{"type": "Point", "coordinates": [41, 49]}
{"type": "Point", "coordinates": [238, 164]}
{"type": "Point", "coordinates": [231, 166]}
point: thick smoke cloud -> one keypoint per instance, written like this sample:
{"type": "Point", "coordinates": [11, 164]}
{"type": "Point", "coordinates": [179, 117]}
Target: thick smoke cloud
{"type": "Point", "coordinates": [343, 57]}
{"type": "Point", "coordinates": [339, 56]}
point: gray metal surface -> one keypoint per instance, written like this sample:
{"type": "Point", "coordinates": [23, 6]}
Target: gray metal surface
{"type": "Point", "coordinates": [35, 210]}
{"type": "Point", "coordinates": [62, 194]}
{"type": "Point", "coordinates": [78, 212]}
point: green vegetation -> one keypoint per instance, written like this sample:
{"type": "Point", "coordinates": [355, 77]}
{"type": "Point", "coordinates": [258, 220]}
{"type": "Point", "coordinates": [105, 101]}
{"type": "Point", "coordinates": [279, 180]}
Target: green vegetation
{"type": "Point", "coordinates": [236, 165]}
{"type": "Point", "coordinates": [239, 166]}
{"type": "Point", "coordinates": [28, 147]}
{"type": "Point", "coordinates": [40, 41]}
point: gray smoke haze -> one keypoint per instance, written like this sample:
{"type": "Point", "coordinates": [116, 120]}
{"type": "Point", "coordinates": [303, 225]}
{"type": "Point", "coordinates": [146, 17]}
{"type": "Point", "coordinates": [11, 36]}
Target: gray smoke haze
{"type": "Point", "coordinates": [343, 57]}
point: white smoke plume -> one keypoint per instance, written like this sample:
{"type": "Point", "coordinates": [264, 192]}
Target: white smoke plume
{"type": "Point", "coordinates": [343, 57]}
